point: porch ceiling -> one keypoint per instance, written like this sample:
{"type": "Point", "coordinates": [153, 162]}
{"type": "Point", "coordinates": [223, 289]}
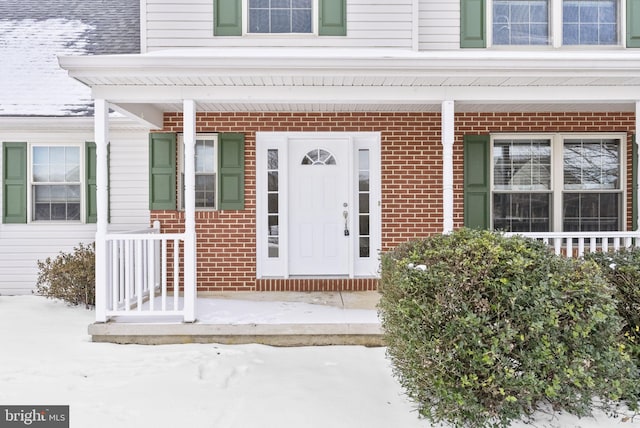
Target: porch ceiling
{"type": "Point", "coordinates": [286, 79]}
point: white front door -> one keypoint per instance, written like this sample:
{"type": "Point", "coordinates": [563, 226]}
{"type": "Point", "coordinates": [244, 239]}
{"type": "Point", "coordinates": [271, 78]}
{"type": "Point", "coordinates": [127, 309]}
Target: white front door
{"type": "Point", "coordinates": [319, 206]}
{"type": "Point", "coordinates": [303, 181]}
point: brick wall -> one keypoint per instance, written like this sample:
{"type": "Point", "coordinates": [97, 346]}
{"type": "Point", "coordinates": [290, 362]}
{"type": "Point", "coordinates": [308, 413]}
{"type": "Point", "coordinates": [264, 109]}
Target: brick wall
{"type": "Point", "coordinates": [411, 181]}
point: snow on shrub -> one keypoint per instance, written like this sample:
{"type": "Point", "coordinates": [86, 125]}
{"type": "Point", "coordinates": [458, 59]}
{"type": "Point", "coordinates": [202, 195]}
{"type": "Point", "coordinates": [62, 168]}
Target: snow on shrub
{"type": "Point", "coordinates": [483, 330]}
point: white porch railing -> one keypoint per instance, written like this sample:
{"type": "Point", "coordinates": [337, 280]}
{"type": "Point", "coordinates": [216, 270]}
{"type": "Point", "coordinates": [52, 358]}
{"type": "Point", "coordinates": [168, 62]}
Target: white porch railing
{"type": "Point", "coordinates": [575, 244]}
{"type": "Point", "coordinates": [137, 264]}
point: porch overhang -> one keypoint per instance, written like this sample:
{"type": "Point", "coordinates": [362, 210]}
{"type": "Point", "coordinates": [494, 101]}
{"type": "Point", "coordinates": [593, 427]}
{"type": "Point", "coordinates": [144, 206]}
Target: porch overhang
{"type": "Point", "coordinates": [286, 79]}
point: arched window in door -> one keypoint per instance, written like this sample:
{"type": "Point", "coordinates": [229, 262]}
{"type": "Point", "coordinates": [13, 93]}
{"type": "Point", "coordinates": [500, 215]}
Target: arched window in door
{"type": "Point", "coordinates": [318, 157]}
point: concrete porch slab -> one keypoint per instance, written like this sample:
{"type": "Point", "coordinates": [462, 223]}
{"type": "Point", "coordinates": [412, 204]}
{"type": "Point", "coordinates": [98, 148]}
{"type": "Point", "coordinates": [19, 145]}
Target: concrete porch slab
{"type": "Point", "coordinates": [303, 329]}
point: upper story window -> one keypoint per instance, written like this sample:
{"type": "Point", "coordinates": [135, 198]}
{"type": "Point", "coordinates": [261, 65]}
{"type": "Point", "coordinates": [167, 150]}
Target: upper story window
{"type": "Point", "coordinates": [549, 23]}
{"type": "Point", "coordinates": [590, 22]}
{"type": "Point", "coordinates": [280, 16]}
{"type": "Point", "coordinates": [261, 17]}
{"type": "Point", "coordinates": [520, 22]}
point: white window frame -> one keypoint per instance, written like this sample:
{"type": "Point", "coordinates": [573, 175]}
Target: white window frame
{"type": "Point", "coordinates": [557, 170]}
{"type": "Point", "coordinates": [180, 169]}
{"type": "Point", "coordinates": [555, 29]}
{"type": "Point", "coordinates": [314, 23]}
{"type": "Point", "coordinates": [31, 183]}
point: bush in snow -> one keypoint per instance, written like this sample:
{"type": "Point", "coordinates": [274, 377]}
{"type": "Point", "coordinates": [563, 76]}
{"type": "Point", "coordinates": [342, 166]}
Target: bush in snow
{"type": "Point", "coordinates": [483, 330]}
{"type": "Point", "coordinates": [622, 270]}
{"type": "Point", "coordinates": [69, 276]}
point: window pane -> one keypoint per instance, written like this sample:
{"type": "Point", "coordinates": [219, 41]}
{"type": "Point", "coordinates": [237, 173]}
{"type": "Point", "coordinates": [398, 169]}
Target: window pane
{"type": "Point", "coordinates": [56, 202]}
{"type": "Point", "coordinates": [301, 21]}
{"type": "Point", "coordinates": [522, 164]}
{"type": "Point", "coordinates": [364, 224]}
{"type": "Point", "coordinates": [591, 164]}
{"type": "Point", "coordinates": [363, 179]}
{"type": "Point", "coordinates": [204, 156]}
{"type": "Point", "coordinates": [272, 162]}
{"type": "Point", "coordinates": [590, 22]}
{"type": "Point", "coordinates": [520, 22]}
{"type": "Point", "coordinates": [521, 212]}
{"type": "Point", "coordinates": [280, 21]}
{"type": "Point", "coordinates": [585, 212]}
{"type": "Point", "coordinates": [205, 190]}
{"type": "Point", "coordinates": [273, 181]}
{"type": "Point", "coordinates": [363, 199]}
{"type": "Point", "coordinates": [273, 225]}
{"type": "Point", "coordinates": [365, 247]}
{"type": "Point", "coordinates": [273, 203]}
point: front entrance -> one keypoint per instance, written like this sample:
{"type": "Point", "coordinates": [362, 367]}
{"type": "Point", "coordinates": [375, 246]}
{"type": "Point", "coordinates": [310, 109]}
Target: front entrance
{"type": "Point", "coordinates": [317, 204]}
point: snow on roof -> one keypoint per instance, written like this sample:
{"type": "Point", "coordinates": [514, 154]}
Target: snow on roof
{"type": "Point", "coordinates": [33, 33]}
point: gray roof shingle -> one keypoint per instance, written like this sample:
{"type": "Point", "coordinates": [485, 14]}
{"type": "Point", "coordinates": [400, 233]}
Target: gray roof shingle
{"type": "Point", "coordinates": [34, 32]}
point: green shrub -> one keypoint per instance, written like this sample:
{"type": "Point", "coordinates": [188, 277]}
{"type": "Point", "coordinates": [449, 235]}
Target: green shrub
{"type": "Point", "coordinates": [482, 330]}
{"type": "Point", "coordinates": [69, 276]}
{"type": "Point", "coordinates": [622, 270]}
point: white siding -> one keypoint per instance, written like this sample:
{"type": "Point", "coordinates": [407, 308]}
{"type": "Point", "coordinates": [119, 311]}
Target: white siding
{"type": "Point", "coordinates": [439, 22]}
{"type": "Point", "coordinates": [22, 245]}
{"type": "Point", "coordinates": [370, 23]}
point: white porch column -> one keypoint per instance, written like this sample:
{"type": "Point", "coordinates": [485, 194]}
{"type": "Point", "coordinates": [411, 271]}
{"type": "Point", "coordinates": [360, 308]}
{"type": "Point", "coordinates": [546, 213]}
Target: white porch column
{"type": "Point", "coordinates": [448, 134]}
{"type": "Point", "coordinates": [101, 130]}
{"type": "Point", "coordinates": [189, 112]}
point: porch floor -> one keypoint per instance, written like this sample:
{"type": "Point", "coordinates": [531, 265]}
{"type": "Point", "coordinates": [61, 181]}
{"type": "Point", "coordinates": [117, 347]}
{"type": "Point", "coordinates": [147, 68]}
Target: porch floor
{"type": "Point", "coordinates": [270, 318]}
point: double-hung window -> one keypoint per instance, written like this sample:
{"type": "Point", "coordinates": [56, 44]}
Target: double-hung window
{"type": "Point", "coordinates": [550, 22]}
{"type": "Point", "coordinates": [206, 147]}
{"type": "Point", "coordinates": [55, 183]}
{"type": "Point", "coordinates": [559, 182]}
{"type": "Point", "coordinates": [280, 16]}
{"type": "Point", "coordinates": [590, 22]}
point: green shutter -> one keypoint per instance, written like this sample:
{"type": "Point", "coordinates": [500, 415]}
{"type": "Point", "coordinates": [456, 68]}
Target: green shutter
{"type": "Point", "coordinates": [91, 180]}
{"type": "Point", "coordinates": [332, 18]}
{"type": "Point", "coordinates": [472, 24]}
{"type": "Point", "coordinates": [227, 17]}
{"type": "Point", "coordinates": [634, 187]}
{"type": "Point", "coordinates": [231, 171]}
{"type": "Point", "coordinates": [633, 23]}
{"type": "Point", "coordinates": [90, 177]}
{"type": "Point", "coordinates": [477, 194]}
{"type": "Point", "coordinates": [14, 182]}
{"type": "Point", "coordinates": [162, 171]}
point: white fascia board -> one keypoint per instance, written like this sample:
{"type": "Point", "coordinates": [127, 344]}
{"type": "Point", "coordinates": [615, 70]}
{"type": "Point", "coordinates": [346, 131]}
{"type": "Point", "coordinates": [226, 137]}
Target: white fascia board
{"type": "Point", "coordinates": [340, 61]}
{"type": "Point", "coordinates": [366, 94]}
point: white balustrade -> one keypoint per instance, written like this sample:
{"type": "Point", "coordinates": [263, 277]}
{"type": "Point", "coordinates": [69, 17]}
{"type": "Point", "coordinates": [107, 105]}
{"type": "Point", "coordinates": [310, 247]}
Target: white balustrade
{"type": "Point", "coordinates": [137, 273]}
{"type": "Point", "coordinates": [576, 244]}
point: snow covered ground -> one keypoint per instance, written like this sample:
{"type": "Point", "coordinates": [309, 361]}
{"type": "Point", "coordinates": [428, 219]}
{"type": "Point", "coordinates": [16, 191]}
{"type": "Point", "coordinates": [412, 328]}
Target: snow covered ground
{"type": "Point", "coordinates": [46, 358]}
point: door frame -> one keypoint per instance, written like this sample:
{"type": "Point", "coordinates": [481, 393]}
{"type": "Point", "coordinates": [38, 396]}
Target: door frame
{"type": "Point", "coordinates": [278, 266]}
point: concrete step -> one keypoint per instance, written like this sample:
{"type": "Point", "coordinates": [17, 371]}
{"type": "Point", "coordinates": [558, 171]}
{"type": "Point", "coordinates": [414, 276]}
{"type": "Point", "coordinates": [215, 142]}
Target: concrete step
{"type": "Point", "coordinates": [266, 334]}
{"type": "Point", "coordinates": [271, 318]}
